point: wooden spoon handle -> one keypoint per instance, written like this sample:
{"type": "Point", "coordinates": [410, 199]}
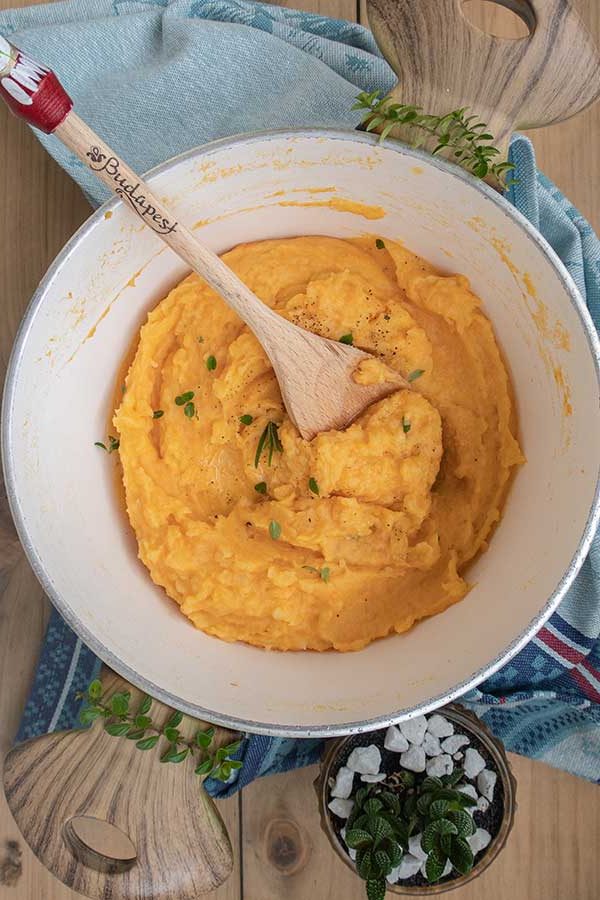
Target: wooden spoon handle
{"type": "Point", "coordinates": [444, 63]}
{"type": "Point", "coordinates": [178, 845]}
{"type": "Point", "coordinates": [34, 93]}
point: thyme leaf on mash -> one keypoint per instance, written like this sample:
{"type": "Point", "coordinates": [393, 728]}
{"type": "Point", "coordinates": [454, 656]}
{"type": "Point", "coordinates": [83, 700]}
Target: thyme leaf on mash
{"type": "Point", "coordinates": [379, 244]}
{"type": "Point", "coordinates": [313, 486]}
{"type": "Point", "coordinates": [323, 573]}
{"type": "Point", "coordinates": [158, 414]}
{"type": "Point", "coordinates": [274, 530]}
{"type": "Point", "coordinates": [113, 444]}
{"type": "Point", "coordinates": [182, 399]}
{"type": "Point", "coordinates": [261, 487]}
{"type": "Point", "coordinates": [120, 720]}
{"type": "Point", "coordinates": [246, 419]}
{"type": "Point", "coordinates": [269, 442]}
{"type": "Point", "coordinates": [414, 375]}
{"type": "Point", "coordinates": [406, 426]}
{"type": "Point", "coordinates": [211, 363]}
{"type": "Point", "coordinates": [347, 339]}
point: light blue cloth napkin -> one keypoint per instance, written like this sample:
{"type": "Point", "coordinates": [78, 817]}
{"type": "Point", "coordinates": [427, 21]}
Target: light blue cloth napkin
{"type": "Point", "coordinates": [158, 77]}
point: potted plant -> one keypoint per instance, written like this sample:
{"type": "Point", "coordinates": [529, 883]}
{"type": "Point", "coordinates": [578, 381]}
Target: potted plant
{"type": "Point", "coordinates": [418, 808]}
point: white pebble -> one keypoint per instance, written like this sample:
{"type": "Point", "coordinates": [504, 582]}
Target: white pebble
{"type": "Point", "coordinates": [394, 740]}
{"type": "Point", "coordinates": [431, 745]}
{"type": "Point", "coordinates": [440, 765]}
{"type": "Point", "coordinates": [365, 760]}
{"type": "Point", "coordinates": [458, 756]}
{"type": "Point", "coordinates": [414, 729]}
{"type": "Point", "coordinates": [440, 727]}
{"type": "Point", "coordinates": [394, 875]}
{"type": "Point", "coordinates": [341, 808]}
{"type": "Point", "coordinates": [414, 846]}
{"type": "Point", "coordinates": [483, 804]}
{"type": "Point", "coordinates": [447, 869]}
{"type": "Point", "coordinates": [474, 763]}
{"type": "Point", "coordinates": [486, 782]}
{"type": "Point", "coordinates": [373, 779]}
{"type": "Point", "coordinates": [343, 783]}
{"type": "Point", "coordinates": [454, 743]}
{"type": "Point", "coordinates": [409, 866]}
{"type": "Point", "coordinates": [479, 840]}
{"type": "Point", "coordinates": [468, 789]}
{"type": "Point", "coordinates": [413, 759]}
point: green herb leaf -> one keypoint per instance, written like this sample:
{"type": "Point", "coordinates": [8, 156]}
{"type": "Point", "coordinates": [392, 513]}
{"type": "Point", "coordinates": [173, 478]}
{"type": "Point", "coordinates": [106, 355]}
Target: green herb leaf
{"type": "Point", "coordinates": [364, 861]}
{"type": "Point", "coordinates": [274, 530]}
{"type": "Point", "coordinates": [142, 721]}
{"type": "Point", "coordinates": [433, 830]}
{"type": "Point", "coordinates": [117, 729]}
{"type": "Point", "coordinates": [434, 866]}
{"type": "Point", "coordinates": [461, 856]}
{"type": "Point", "coordinates": [453, 779]}
{"type": "Point", "coordinates": [395, 854]}
{"type": "Point", "coordinates": [376, 888]}
{"type": "Point", "coordinates": [431, 783]}
{"type": "Point", "coordinates": [423, 803]}
{"type": "Point", "coordinates": [405, 425]}
{"type": "Point", "coordinates": [373, 806]}
{"type": "Point", "coordinates": [439, 808]}
{"type": "Point", "coordinates": [204, 738]}
{"type": "Point", "coordinates": [182, 399]}
{"type": "Point", "coordinates": [379, 244]}
{"type": "Point", "coordinates": [204, 768]}
{"type": "Point", "coordinates": [465, 826]}
{"type": "Point", "coordinates": [189, 410]}
{"type": "Point", "coordinates": [101, 445]}
{"type": "Point", "coordinates": [211, 363]}
{"type": "Point", "coordinates": [468, 139]}
{"type": "Point", "coordinates": [380, 830]}
{"type": "Point", "coordinates": [445, 841]}
{"type": "Point", "coordinates": [246, 419]}
{"type": "Point", "coordinates": [119, 703]}
{"type": "Point", "coordinates": [148, 743]}
{"type": "Point", "coordinates": [95, 690]}
{"type": "Point", "coordinates": [261, 487]}
{"type": "Point", "coordinates": [325, 573]}
{"type": "Point", "coordinates": [175, 720]}
{"type": "Point", "coordinates": [233, 747]}
{"type": "Point", "coordinates": [145, 705]}
{"type": "Point", "coordinates": [347, 338]}
{"type": "Point", "coordinates": [113, 443]}
{"type": "Point", "coordinates": [414, 375]}
{"type": "Point", "coordinates": [173, 755]}
{"type": "Point", "coordinates": [158, 414]}
{"type": "Point", "coordinates": [313, 486]}
{"type": "Point", "coordinates": [269, 439]}
{"type": "Point", "coordinates": [90, 714]}
{"type": "Point", "coordinates": [356, 838]}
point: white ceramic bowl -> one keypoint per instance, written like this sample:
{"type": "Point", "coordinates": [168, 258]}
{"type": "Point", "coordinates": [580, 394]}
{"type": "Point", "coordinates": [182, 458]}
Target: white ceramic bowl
{"type": "Point", "coordinates": [82, 320]}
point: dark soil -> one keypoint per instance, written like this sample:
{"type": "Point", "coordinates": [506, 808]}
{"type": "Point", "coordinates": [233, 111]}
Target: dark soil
{"type": "Point", "coordinates": [490, 820]}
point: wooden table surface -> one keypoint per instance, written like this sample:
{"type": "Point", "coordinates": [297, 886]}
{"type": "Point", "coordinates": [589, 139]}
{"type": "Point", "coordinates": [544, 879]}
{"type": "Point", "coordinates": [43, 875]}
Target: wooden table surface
{"type": "Point", "coordinates": [280, 852]}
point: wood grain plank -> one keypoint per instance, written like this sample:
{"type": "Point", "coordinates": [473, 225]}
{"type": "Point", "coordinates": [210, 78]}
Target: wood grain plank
{"type": "Point", "coordinates": [551, 853]}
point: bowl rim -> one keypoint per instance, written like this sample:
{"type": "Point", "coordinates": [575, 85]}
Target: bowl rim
{"type": "Point", "coordinates": [105, 653]}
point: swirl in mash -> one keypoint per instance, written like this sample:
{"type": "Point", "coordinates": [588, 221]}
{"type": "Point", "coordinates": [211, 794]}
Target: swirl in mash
{"type": "Point", "coordinates": [408, 494]}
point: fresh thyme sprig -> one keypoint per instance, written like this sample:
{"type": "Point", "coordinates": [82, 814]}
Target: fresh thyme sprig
{"type": "Point", "coordinates": [269, 441]}
{"type": "Point", "coordinates": [120, 721]}
{"type": "Point", "coordinates": [113, 444]}
{"type": "Point", "coordinates": [466, 139]}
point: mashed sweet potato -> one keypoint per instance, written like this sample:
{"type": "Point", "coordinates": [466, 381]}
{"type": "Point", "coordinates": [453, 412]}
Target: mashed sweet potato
{"type": "Point", "coordinates": [357, 534]}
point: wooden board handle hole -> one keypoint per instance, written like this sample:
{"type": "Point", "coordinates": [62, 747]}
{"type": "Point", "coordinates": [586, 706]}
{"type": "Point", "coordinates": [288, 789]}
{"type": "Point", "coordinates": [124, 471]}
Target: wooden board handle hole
{"type": "Point", "coordinates": [99, 845]}
{"type": "Point", "coordinates": [509, 19]}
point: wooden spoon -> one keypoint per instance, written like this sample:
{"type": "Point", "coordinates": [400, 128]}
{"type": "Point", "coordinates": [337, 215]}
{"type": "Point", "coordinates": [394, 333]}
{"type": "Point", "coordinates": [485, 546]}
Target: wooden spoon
{"type": "Point", "coordinates": [315, 374]}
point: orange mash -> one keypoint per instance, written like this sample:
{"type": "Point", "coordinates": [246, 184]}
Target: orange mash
{"type": "Point", "coordinates": [357, 534]}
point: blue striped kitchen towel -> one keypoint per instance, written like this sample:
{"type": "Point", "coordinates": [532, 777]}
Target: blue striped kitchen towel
{"type": "Point", "coordinates": [156, 77]}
